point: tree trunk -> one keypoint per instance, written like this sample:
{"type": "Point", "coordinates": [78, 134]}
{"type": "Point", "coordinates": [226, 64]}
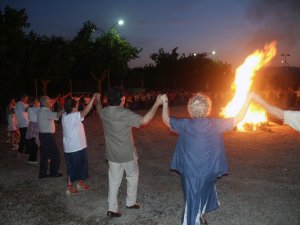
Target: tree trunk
{"type": "Point", "coordinates": [99, 86]}
{"type": "Point", "coordinates": [99, 80]}
{"type": "Point", "coordinates": [108, 79]}
{"type": "Point", "coordinates": [45, 86]}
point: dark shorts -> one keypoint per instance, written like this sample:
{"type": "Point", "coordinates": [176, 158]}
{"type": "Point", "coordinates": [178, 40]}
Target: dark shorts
{"type": "Point", "coordinates": [77, 165]}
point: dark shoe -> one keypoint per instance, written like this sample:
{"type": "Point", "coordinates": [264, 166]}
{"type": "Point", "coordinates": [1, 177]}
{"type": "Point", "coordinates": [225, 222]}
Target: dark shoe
{"type": "Point", "coordinates": [43, 176]}
{"type": "Point", "coordinates": [113, 214]}
{"type": "Point", "coordinates": [135, 206]}
{"type": "Point", "coordinates": [56, 175]}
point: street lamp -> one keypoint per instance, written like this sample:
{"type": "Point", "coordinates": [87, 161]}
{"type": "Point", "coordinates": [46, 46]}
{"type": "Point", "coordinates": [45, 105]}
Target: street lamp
{"type": "Point", "coordinates": [210, 53]}
{"type": "Point", "coordinates": [285, 55]}
{"type": "Point", "coordinates": [120, 23]}
{"type": "Point", "coordinates": [206, 53]}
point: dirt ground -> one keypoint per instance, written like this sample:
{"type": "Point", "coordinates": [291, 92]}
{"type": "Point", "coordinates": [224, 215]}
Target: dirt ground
{"type": "Point", "coordinates": [262, 188]}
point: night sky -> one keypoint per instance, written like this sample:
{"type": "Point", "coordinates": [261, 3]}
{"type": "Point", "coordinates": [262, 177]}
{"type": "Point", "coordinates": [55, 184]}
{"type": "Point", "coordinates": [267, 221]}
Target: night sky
{"type": "Point", "coordinates": [233, 28]}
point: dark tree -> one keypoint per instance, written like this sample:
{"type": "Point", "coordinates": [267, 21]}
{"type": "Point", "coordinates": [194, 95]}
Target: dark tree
{"type": "Point", "coordinates": [110, 56]}
{"type": "Point", "coordinates": [12, 46]}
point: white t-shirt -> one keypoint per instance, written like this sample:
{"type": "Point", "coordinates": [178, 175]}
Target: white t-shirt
{"type": "Point", "coordinates": [73, 132]}
{"type": "Point", "coordinates": [292, 119]}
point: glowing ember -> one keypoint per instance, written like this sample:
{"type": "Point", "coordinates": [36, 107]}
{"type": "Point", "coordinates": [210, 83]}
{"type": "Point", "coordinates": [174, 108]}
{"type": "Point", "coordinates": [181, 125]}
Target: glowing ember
{"type": "Point", "coordinates": [242, 84]}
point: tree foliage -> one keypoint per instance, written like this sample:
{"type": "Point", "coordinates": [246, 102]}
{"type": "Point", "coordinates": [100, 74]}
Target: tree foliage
{"type": "Point", "coordinates": [12, 42]}
{"type": "Point", "coordinates": [27, 56]}
{"type": "Point", "coordinates": [193, 72]}
{"type": "Point", "coordinates": [110, 55]}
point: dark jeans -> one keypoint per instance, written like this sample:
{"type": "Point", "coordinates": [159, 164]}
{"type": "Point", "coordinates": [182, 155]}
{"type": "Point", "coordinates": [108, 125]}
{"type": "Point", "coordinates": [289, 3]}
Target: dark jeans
{"type": "Point", "coordinates": [33, 149]}
{"type": "Point", "coordinates": [23, 142]}
{"type": "Point", "coordinates": [48, 150]}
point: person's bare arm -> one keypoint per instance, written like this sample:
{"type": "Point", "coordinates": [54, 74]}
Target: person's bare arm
{"type": "Point", "coordinates": [87, 109]}
{"type": "Point", "coordinates": [277, 112]}
{"type": "Point", "coordinates": [165, 111]}
{"type": "Point", "coordinates": [59, 114]}
{"type": "Point", "coordinates": [98, 103]}
{"type": "Point", "coordinates": [240, 116]}
{"type": "Point", "coordinates": [150, 114]}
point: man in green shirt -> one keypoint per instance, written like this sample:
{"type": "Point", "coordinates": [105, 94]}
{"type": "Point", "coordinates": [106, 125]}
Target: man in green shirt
{"type": "Point", "coordinates": [119, 145]}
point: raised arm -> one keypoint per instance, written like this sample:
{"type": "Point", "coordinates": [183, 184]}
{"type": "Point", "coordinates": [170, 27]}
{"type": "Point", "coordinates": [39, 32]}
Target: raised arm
{"type": "Point", "coordinates": [277, 112]}
{"type": "Point", "coordinates": [87, 109]}
{"type": "Point", "coordinates": [59, 114]}
{"type": "Point", "coordinates": [150, 114]}
{"type": "Point", "coordinates": [165, 111]}
{"type": "Point", "coordinates": [98, 103]}
{"type": "Point", "coordinates": [240, 116]}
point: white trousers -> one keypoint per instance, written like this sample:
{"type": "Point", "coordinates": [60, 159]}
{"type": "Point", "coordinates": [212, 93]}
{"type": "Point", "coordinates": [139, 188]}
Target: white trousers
{"type": "Point", "coordinates": [115, 176]}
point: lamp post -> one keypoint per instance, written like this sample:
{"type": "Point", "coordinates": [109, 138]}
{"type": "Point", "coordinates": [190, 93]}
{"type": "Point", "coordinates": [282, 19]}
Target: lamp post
{"type": "Point", "coordinates": [120, 23]}
{"type": "Point", "coordinates": [286, 64]}
{"type": "Point", "coordinates": [210, 53]}
{"type": "Point", "coordinates": [206, 53]}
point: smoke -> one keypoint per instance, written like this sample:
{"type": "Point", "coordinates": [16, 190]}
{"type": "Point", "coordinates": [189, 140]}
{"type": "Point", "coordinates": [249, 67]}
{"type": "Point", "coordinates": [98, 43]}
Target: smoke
{"type": "Point", "coordinates": [276, 20]}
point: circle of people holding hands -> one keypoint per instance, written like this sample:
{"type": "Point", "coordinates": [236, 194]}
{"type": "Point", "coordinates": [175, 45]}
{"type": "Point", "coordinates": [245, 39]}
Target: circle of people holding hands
{"type": "Point", "coordinates": [199, 156]}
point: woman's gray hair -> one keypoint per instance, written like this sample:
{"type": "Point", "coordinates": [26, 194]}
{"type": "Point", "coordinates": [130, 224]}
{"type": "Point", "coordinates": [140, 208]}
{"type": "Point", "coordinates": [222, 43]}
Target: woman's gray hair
{"type": "Point", "coordinates": [43, 100]}
{"type": "Point", "coordinates": [199, 105]}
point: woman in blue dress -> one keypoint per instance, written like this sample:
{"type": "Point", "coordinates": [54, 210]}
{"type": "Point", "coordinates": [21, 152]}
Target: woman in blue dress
{"type": "Point", "coordinates": [199, 155]}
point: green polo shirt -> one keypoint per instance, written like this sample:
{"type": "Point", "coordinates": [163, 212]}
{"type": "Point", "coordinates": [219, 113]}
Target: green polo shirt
{"type": "Point", "coordinates": [117, 124]}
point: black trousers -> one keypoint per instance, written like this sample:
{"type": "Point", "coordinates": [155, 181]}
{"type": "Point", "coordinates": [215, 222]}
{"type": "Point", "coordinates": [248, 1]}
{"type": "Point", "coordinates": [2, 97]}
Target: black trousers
{"type": "Point", "coordinates": [23, 142]}
{"type": "Point", "coordinates": [33, 149]}
{"type": "Point", "coordinates": [48, 150]}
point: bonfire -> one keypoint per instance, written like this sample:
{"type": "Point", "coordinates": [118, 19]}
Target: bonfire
{"type": "Point", "coordinates": [242, 85]}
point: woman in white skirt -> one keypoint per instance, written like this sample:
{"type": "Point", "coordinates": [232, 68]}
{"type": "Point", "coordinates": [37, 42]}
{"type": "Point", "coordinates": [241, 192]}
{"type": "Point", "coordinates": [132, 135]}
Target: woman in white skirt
{"type": "Point", "coordinates": [75, 146]}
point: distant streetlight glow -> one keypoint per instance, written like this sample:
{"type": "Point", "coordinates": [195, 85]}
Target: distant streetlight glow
{"type": "Point", "coordinates": [286, 64]}
{"type": "Point", "coordinates": [213, 52]}
{"type": "Point", "coordinates": [121, 22]}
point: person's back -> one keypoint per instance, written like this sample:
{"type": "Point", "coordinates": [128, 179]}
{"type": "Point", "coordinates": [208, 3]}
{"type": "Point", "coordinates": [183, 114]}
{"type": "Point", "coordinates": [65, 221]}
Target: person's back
{"type": "Point", "coordinates": [117, 124]}
{"type": "Point", "coordinates": [21, 114]}
{"type": "Point", "coordinates": [120, 151]}
{"type": "Point", "coordinates": [200, 146]}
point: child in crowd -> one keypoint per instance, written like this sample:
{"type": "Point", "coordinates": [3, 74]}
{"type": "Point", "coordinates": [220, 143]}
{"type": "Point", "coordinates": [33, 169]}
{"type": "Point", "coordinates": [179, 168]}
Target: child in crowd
{"type": "Point", "coordinates": [13, 129]}
{"type": "Point", "coordinates": [11, 104]}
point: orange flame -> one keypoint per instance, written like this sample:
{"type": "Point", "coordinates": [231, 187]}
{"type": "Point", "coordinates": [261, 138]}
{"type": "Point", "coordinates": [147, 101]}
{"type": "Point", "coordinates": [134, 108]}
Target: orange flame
{"type": "Point", "coordinates": [242, 84]}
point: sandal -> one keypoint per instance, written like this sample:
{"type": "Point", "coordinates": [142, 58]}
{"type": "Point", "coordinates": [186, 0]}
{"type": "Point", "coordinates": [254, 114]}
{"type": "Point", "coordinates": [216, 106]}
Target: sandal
{"type": "Point", "coordinates": [82, 186]}
{"type": "Point", "coordinates": [71, 190]}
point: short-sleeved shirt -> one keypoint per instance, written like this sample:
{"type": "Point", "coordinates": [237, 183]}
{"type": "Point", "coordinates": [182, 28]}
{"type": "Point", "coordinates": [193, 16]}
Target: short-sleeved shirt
{"type": "Point", "coordinates": [292, 119]}
{"type": "Point", "coordinates": [117, 124]}
{"type": "Point", "coordinates": [74, 138]}
{"type": "Point", "coordinates": [32, 113]}
{"type": "Point", "coordinates": [21, 114]}
{"type": "Point", "coordinates": [46, 120]}
{"type": "Point", "coordinates": [200, 147]}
